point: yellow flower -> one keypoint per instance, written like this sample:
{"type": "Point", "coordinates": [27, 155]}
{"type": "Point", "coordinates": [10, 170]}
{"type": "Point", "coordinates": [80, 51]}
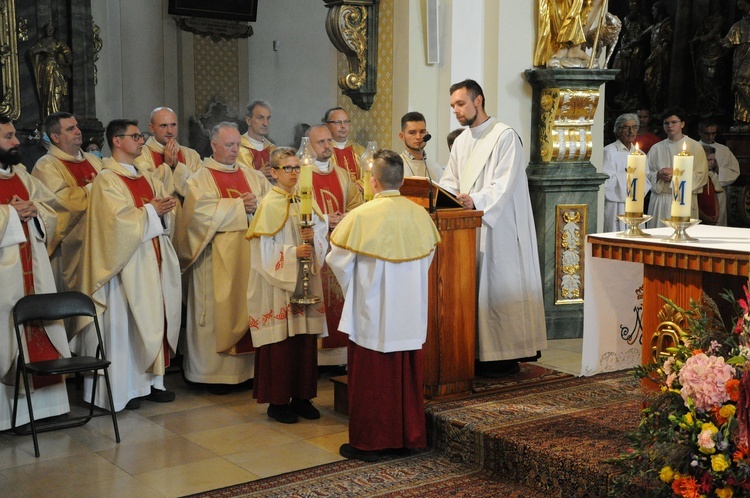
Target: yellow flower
{"type": "Point", "coordinates": [689, 419]}
{"type": "Point", "coordinates": [709, 426]}
{"type": "Point", "coordinates": [666, 474]}
{"type": "Point", "coordinates": [724, 493]}
{"type": "Point", "coordinates": [727, 411]}
{"type": "Point", "coordinates": [719, 462]}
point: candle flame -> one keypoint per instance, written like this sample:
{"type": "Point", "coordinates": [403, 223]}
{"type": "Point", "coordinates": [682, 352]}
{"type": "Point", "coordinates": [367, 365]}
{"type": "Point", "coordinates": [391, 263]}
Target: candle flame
{"type": "Point", "coordinates": [636, 150]}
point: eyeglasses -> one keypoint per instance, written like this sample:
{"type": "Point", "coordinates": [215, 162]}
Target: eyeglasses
{"type": "Point", "coordinates": [135, 136]}
{"type": "Point", "coordinates": [289, 169]}
{"type": "Point", "coordinates": [629, 128]}
{"type": "Point", "coordinates": [339, 122]}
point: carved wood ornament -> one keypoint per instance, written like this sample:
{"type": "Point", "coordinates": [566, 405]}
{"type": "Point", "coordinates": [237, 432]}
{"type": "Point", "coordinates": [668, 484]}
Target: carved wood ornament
{"type": "Point", "coordinates": [352, 27]}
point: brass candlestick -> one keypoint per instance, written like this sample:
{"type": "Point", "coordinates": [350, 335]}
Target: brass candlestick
{"type": "Point", "coordinates": [302, 292]}
{"type": "Point", "coordinates": [633, 223]}
{"type": "Point", "coordinates": [680, 235]}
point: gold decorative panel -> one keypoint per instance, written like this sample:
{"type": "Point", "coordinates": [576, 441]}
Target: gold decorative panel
{"type": "Point", "coordinates": [10, 92]}
{"type": "Point", "coordinates": [570, 233]}
{"type": "Point", "coordinates": [374, 124]}
{"type": "Point", "coordinates": [216, 72]}
{"type": "Point", "coordinates": [567, 116]}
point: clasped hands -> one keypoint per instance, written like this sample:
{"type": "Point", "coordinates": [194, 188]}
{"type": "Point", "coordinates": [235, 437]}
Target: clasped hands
{"type": "Point", "coordinates": [163, 205]}
{"type": "Point", "coordinates": [25, 209]}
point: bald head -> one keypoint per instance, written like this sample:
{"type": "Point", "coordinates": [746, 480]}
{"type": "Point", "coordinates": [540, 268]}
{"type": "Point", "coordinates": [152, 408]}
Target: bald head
{"type": "Point", "coordinates": [163, 125]}
{"type": "Point", "coordinates": [321, 141]}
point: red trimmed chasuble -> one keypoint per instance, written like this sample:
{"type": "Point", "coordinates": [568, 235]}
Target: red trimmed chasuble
{"type": "Point", "coordinates": [345, 158]}
{"type": "Point", "coordinates": [142, 194]}
{"type": "Point", "coordinates": [330, 197]}
{"type": "Point", "coordinates": [260, 157]}
{"type": "Point", "coordinates": [81, 171]}
{"type": "Point", "coordinates": [39, 346]}
{"type": "Point", "coordinates": [233, 184]}
{"type": "Point", "coordinates": [328, 192]}
{"type": "Point", "coordinates": [158, 157]}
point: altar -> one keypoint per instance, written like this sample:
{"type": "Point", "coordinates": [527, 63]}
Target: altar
{"type": "Point", "coordinates": [625, 278]}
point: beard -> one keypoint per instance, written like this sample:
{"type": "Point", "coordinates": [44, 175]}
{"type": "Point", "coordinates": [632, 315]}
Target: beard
{"type": "Point", "coordinates": [10, 157]}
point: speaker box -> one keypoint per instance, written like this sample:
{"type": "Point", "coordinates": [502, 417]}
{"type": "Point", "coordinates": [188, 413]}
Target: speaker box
{"type": "Point", "coordinates": [433, 45]}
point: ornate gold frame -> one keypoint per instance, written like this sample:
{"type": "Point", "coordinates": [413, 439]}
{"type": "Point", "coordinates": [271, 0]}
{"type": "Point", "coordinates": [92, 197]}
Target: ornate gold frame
{"type": "Point", "coordinates": [10, 91]}
{"type": "Point", "coordinates": [570, 237]}
{"type": "Point", "coordinates": [352, 27]}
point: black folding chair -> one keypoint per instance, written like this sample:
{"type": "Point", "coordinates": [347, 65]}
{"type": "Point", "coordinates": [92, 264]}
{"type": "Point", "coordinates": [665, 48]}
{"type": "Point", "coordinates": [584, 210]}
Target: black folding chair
{"type": "Point", "coordinates": [45, 307]}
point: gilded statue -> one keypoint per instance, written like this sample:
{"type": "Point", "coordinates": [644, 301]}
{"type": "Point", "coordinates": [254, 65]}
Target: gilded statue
{"type": "Point", "coordinates": [739, 38]}
{"type": "Point", "coordinates": [631, 56]}
{"type": "Point", "coordinates": [562, 26]}
{"type": "Point", "coordinates": [51, 60]}
{"type": "Point", "coordinates": [656, 76]}
{"type": "Point", "coordinates": [708, 55]}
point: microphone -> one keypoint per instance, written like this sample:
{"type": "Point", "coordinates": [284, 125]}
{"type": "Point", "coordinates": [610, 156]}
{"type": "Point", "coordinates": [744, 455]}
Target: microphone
{"type": "Point", "coordinates": [431, 203]}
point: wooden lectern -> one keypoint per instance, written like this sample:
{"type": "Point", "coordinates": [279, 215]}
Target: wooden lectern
{"type": "Point", "coordinates": [450, 348]}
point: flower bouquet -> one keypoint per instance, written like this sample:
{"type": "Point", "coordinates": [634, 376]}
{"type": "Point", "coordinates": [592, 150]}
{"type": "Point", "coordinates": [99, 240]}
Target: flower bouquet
{"type": "Point", "coordinates": [693, 437]}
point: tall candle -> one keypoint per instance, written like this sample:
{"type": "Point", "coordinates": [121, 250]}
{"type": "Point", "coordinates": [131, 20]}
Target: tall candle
{"type": "Point", "coordinates": [682, 186]}
{"type": "Point", "coordinates": [305, 189]}
{"type": "Point", "coordinates": [636, 183]}
{"type": "Point", "coordinates": [367, 190]}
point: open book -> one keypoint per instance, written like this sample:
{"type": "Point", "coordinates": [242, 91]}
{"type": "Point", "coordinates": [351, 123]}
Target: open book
{"type": "Point", "coordinates": [418, 189]}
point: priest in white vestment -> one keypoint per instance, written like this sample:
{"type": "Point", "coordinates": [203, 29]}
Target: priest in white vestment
{"type": "Point", "coordinates": [487, 171]}
{"type": "Point", "coordinates": [27, 222]}
{"type": "Point", "coordinates": [615, 164]}
{"type": "Point", "coordinates": [221, 199]}
{"type": "Point", "coordinates": [130, 269]}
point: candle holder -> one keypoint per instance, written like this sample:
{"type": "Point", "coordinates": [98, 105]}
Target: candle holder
{"type": "Point", "coordinates": [302, 292]}
{"type": "Point", "coordinates": [633, 223]}
{"type": "Point", "coordinates": [680, 235]}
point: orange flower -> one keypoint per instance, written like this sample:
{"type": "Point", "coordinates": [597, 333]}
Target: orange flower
{"type": "Point", "coordinates": [687, 487]}
{"type": "Point", "coordinates": [740, 454]}
{"type": "Point", "coordinates": [733, 389]}
{"type": "Point", "coordinates": [716, 412]}
{"type": "Point", "coordinates": [697, 351]}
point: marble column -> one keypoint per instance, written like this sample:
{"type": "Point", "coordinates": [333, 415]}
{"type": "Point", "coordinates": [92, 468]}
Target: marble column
{"type": "Point", "coordinates": [564, 186]}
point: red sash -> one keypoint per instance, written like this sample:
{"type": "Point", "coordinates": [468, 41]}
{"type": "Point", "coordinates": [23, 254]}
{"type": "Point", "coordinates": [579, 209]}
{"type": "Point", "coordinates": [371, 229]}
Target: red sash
{"type": "Point", "coordinates": [158, 157]}
{"type": "Point", "coordinates": [260, 157]}
{"type": "Point", "coordinates": [142, 194]}
{"type": "Point", "coordinates": [328, 192]}
{"type": "Point", "coordinates": [38, 344]}
{"type": "Point", "coordinates": [81, 171]}
{"type": "Point", "coordinates": [232, 185]}
{"type": "Point", "coordinates": [346, 159]}
{"type": "Point", "coordinates": [707, 200]}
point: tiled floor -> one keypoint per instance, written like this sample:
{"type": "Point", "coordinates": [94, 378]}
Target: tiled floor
{"type": "Point", "coordinates": [199, 442]}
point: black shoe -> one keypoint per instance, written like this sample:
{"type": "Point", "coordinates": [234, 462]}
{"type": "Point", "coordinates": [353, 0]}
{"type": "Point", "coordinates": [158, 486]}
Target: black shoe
{"type": "Point", "coordinates": [220, 389]}
{"type": "Point", "coordinates": [282, 413]}
{"type": "Point", "coordinates": [159, 396]}
{"type": "Point", "coordinates": [133, 404]}
{"type": "Point", "coordinates": [349, 451]}
{"type": "Point", "coordinates": [496, 369]}
{"type": "Point", "coordinates": [304, 408]}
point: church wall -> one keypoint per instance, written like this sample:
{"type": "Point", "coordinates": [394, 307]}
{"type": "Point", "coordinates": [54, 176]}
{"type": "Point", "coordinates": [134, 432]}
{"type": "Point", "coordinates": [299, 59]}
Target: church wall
{"type": "Point", "coordinates": [298, 79]}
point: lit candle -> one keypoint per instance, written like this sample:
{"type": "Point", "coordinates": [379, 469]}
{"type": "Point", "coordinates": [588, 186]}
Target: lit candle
{"type": "Point", "coordinates": [366, 182]}
{"type": "Point", "coordinates": [305, 189]}
{"type": "Point", "coordinates": [682, 185]}
{"type": "Point", "coordinates": [636, 183]}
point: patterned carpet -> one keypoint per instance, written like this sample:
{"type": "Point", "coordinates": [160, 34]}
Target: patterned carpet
{"type": "Point", "coordinates": [540, 441]}
{"type": "Point", "coordinates": [530, 374]}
